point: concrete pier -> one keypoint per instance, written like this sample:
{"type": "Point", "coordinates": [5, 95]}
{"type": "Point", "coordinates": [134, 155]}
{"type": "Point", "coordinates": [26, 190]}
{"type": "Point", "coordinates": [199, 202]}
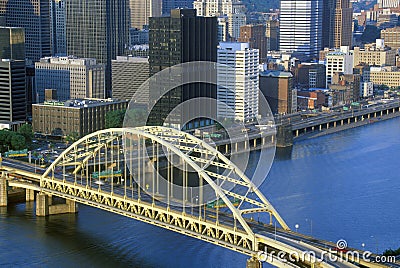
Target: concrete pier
{"type": "Point", "coordinates": [29, 195]}
{"type": "Point", "coordinates": [44, 207]}
{"type": "Point", "coordinates": [3, 192]}
{"type": "Point", "coordinates": [284, 136]}
{"type": "Point", "coordinates": [68, 207]}
{"type": "Point", "coordinates": [253, 263]}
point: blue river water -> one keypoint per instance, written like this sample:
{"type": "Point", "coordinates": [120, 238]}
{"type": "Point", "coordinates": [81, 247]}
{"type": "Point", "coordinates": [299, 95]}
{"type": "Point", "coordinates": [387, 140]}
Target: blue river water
{"type": "Point", "coordinates": [340, 186]}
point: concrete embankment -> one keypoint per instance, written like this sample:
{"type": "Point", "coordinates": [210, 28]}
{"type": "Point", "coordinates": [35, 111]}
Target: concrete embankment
{"type": "Point", "coordinates": [323, 132]}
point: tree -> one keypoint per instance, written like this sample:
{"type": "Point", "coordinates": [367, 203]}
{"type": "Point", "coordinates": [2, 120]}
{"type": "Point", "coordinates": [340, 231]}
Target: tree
{"type": "Point", "coordinates": [114, 119]}
{"type": "Point", "coordinates": [391, 252]}
{"type": "Point", "coordinates": [5, 139]}
{"type": "Point", "coordinates": [72, 137]}
{"type": "Point", "coordinates": [136, 117]}
{"type": "Point", "coordinates": [18, 142]}
{"type": "Point", "coordinates": [26, 131]}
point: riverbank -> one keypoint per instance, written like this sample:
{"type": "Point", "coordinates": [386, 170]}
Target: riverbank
{"type": "Point", "coordinates": [324, 132]}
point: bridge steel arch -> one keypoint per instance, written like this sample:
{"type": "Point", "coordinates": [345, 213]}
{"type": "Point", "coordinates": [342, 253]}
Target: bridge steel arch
{"type": "Point", "coordinates": [97, 150]}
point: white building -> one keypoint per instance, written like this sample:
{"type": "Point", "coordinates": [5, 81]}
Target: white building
{"type": "Point", "coordinates": [300, 29]}
{"type": "Point", "coordinates": [238, 90]}
{"type": "Point", "coordinates": [222, 29]}
{"type": "Point", "coordinates": [211, 8]}
{"type": "Point", "coordinates": [233, 9]}
{"type": "Point", "coordinates": [388, 3]}
{"type": "Point", "coordinates": [71, 77]}
{"type": "Point", "coordinates": [367, 89]}
{"type": "Point", "coordinates": [340, 61]}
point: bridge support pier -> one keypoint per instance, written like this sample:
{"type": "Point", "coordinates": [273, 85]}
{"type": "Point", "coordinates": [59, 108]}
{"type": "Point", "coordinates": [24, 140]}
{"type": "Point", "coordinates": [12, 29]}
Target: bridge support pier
{"type": "Point", "coordinates": [29, 195]}
{"type": "Point", "coordinates": [3, 192]}
{"type": "Point", "coordinates": [44, 207]}
{"type": "Point", "coordinates": [284, 136]}
{"type": "Point", "coordinates": [253, 263]}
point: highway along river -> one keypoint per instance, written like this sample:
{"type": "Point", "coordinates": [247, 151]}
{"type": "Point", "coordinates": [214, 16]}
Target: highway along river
{"type": "Point", "coordinates": [341, 186]}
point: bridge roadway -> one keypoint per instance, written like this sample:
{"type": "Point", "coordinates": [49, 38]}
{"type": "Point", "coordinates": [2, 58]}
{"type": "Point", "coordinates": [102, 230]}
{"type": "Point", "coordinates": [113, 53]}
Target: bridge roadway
{"type": "Point", "coordinates": [335, 116]}
{"type": "Point", "coordinates": [280, 239]}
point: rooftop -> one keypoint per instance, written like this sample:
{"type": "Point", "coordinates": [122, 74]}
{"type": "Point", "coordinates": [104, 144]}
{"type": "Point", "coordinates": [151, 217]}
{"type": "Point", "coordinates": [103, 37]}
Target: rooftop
{"type": "Point", "coordinates": [72, 60]}
{"type": "Point", "coordinates": [273, 73]}
{"type": "Point", "coordinates": [80, 103]}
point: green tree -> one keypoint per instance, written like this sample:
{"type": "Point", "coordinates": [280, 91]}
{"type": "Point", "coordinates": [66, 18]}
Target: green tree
{"type": "Point", "coordinates": [5, 139]}
{"type": "Point", "coordinates": [18, 142]}
{"type": "Point", "coordinates": [136, 117]}
{"type": "Point", "coordinates": [27, 132]}
{"type": "Point", "coordinates": [114, 119]}
{"type": "Point", "coordinates": [392, 252]}
{"type": "Point", "coordinates": [72, 137]}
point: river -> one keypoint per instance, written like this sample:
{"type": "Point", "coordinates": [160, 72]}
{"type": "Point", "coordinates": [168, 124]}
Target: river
{"type": "Point", "coordinates": [340, 186]}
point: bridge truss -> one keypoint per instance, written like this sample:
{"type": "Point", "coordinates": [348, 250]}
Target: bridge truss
{"type": "Point", "coordinates": [164, 177]}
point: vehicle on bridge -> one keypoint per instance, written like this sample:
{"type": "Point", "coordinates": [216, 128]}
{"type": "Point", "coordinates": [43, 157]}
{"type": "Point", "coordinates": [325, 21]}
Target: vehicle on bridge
{"type": "Point", "coordinates": [221, 204]}
{"type": "Point", "coordinates": [106, 174]}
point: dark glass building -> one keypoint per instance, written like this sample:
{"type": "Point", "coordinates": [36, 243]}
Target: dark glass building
{"type": "Point", "coordinates": [12, 91]}
{"type": "Point", "coordinates": [98, 29]}
{"type": "Point", "coordinates": [12, 43]}
{"type": "Point", "coordinates": [168, 5]}
{"type": "Point", "coordinates": [34, 17]}
{"type": "Point", "coordinates": [182, 37]}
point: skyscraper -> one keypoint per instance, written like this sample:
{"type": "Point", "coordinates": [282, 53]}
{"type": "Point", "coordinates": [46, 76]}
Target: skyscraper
{"type": "Point", "coordinates": [12, 91]}
{"type": "Point", "coordinates": [179, 38]}
{"type": "Point", "coordinates": [12, 43]}
{"type": "Point", "coordinates": [168, 5]}
{"type": "Point", "coordinates": [141, 10]}
{"type": "Point", "coordinates": [343, 27]}
{"type": "Point", "coordinates": [337, 23]}
{"type": "Point", "coordinates": [57, 29]}
{"type": "Point", "coordinates": [255, 36]}
{"type": "Point", "coordinates": [129, 73]}
{"type": "Point", "coordinates": [235, 21]}
{"type": "Point", "coordinates": [272, 33]}
{"type": "Point", "coordinates": [328, 23]}
{"type": "Point", "coordinates": [98, 29]}
{"type": "Point", "coordinates": [34, 17]}
{"type": "Point", "coordinates": [233, 9]}
{"type": "Point", "coordinates": [223, 29]}
{"type": "Point", "coordinates": [238, 85]}
{"type": "Point", "coordinates": [301, 27]}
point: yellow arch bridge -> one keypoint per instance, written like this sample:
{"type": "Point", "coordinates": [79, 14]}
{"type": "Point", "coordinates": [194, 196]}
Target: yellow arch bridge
{"type": "Point", "coordinates": [147, 173]}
